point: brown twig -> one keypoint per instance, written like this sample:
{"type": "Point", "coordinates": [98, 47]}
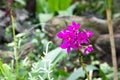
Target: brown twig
{"type": "Point", "coordinates": [112, 42]}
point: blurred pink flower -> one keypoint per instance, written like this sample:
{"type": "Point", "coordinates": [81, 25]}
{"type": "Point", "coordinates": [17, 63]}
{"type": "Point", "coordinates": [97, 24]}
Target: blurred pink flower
{"type": "Point", "coordinates": [68, 40]}
{"type": "Point", "coordinates": [88, 49]}
{"type": "Point", "coordinates": [74, 27]}
{"type": "Point", "coordinates": [72, 38]}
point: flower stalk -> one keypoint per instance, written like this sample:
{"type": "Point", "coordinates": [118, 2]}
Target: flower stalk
{"type": "Point", "coordinates": [14, 35]}
{"type": "Point", "coordinates": [82, 63]}
{"type": "Point", "coordinates": [74, 39]}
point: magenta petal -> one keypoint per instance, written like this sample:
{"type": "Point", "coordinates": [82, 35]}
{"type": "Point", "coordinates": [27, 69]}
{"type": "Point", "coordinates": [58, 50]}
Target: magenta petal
{"type": "Point", "coordinates": [69, 27]}
{"type": "Point", "coordinates": [63, 46]}
{"type": "Point", "coordinates": [68, 50]}
{"type": "Point", "coordinates": [78, 26]}
{"type": "Point", "coordinates": [74, 47]}
{"type": "Point", "coordinates": [88, 49]}
{"type": "Point", "coordinates": [73, 23]}
{"type": "Point", "coordinates": [90, 34]}
{"type": "Point", "coordinates": [60, 35]}
{"type": "Point", "coordinates": [72, 38]}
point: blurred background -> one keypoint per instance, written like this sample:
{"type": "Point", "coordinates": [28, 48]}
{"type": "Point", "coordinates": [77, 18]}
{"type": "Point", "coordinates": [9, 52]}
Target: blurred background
{"type": "Point", "coordinates": [38, 21]}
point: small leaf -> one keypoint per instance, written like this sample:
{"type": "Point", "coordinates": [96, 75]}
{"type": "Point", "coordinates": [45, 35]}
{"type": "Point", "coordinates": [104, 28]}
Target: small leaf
{"type": "Point", "coordinates": [105, 68]}
{"type": "Point", "coordinates": [91, 67]}
{"type": "Point", "coordinates": [41, 6]}
{"type": "Point", "coordinates": [80, 73]}
{"type": "Point", "coordinates": [103, 75]}
{"type": "Point", "coordinates": [22, 2]}
{"type": "Point", "coordinates": [76, 74]}
{"type": "Point", "coordinates": [58, 5]}
{"type": "Point", "coordinates": [43, 18]}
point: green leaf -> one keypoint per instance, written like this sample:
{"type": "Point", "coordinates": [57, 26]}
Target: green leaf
{"type": "Point", "coordinates": [6, 71]}
{"type": "Point", "coordinates": [51, 58]}
{"type": "Point", "coordinates": [58, 5]}
{"type": "Point", "coordinates": [71, 8]}
{"type": "Point", "coordinates": [111, 75]}
{"type": "Point", "coordinates": [41, 6]}
{"type": "Point", "coordinates": [22, 2]}
{"type": "Point", "coordinates": [63, 5]}
{"type": "Point", "coordinates": [55, 55]}
{"type": "Point", "coordinates": [103, 75]}
{"type": "Point", "coordinates": [62, 73]}
{"type": "Point", "coordinates": [105, 68]}
{"type": "Point", "coordinates": [91, 67]}
{"type": "Point", "coordinates": [43, 18]}
{"type": "Point", "coordinates": [69, 11]}
{"type": "Point", "coordinates": [53, 5]}
{"type": "Point", "coordinates": [76, 74]}
{"type": "Point", "coordinates": [80, 73]}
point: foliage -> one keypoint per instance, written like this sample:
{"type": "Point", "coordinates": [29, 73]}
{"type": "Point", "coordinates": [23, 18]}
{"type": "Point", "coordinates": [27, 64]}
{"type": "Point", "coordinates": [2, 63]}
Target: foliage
{"type": "Point", "coordinates": [22, 2]}
{"type": "Point", "coordinates": [44, 6]}
{"type": "Point", "coordinates": [39, 70]}
{"type": "Point", "coordinates": [91, 8]}
{"type": "Point", "coordinates": [41, 6]}
{"type": "Point", "coordinates": [8, 72]}
{"type": "Point", "coordinates": [57, 5]}
{"type": "Point", "coordinates": [47, 9]}
{"type": "Point", "coordinates": [5, 70]}
{"type": "Point", "coordinates": [80, 73]}
{"type": "Point", "coordinates": [54, 63]}
{"type": "Point", "coordinates": [43, 68]}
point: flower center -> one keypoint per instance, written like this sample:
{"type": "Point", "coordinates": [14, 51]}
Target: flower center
{"type": "Point", "coordinates": [69, 38]}
{"type": "Point", "coordinates": [73, 29]}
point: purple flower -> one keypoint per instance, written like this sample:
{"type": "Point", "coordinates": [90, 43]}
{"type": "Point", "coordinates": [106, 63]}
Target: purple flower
{"type": "Point", "coordinates": [88, 33]}
{"type": "Point", "coordinates": [88, 49]}
{"type": "Point", "coordinates": [74, 27]}
{"type": "Point", "coordinates": [74, 39]}
{"type": "Point", "coordinates": [82, 38]}
{"type": "Point", "coordinates": [68, 40]}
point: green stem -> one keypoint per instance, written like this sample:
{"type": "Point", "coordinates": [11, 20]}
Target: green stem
{"type": "Point", "coordinates": [82, 64]}
{"type": "Point", "coordinates": [14, 37]}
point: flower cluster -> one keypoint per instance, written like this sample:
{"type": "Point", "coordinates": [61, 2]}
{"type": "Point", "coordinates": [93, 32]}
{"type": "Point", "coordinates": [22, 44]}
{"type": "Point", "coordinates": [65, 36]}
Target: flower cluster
{"type": "Point", "coordinates": [75, 39]}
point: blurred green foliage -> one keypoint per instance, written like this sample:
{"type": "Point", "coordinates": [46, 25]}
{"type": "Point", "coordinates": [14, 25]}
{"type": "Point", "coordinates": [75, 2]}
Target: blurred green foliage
{"type": "Point", "coordinates": [57, 5]}
{"type": "Point", "coordinates": [47, 6]}
{"type": "Point", "coordinates": [91, 8]}
{"type": "Point", "coordinates": [41, 6]}
{"type": "Point", "coordinates": [43, 63]}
